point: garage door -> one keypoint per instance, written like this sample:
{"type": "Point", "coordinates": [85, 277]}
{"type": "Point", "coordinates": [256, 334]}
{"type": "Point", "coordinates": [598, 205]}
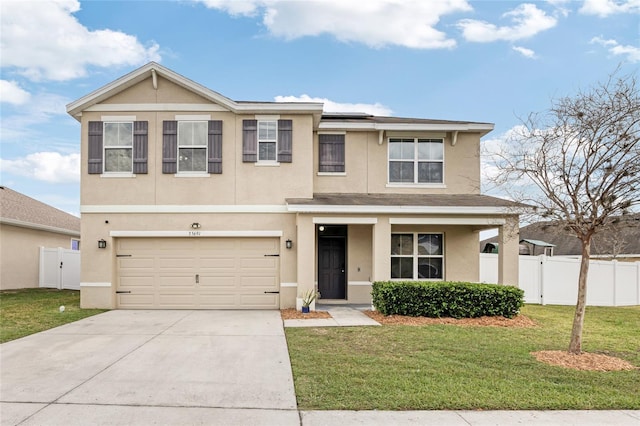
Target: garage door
{"type": "Point", "coordinates": [197, 273]}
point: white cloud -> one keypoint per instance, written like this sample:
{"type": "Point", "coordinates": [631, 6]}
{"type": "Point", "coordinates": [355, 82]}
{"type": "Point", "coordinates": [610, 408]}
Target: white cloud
{"type": "Point", "coordinates": [40, 109]}
{"type": "Point", "coordinates": [527, 21]}
{"type": "Point", "coordinates": [375, 23]}
{"type": "Point", "coordinates": [527, 53]}
{"type": "Point", "coordinates": [631, 52]}
{"type": "Point", "coordinates": [50, 167]}
{"type": "Point", "coordinates": [331, 106]}
{"type": "Point", "coordinates": [42, 40]}
{"type": "Point", "coordinates": [604, 8]}
{"type": "Point", "coordinates": [12, 93]}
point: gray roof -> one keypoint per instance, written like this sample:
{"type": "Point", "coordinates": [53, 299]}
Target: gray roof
{"type": "Point", "coordinates": [359, 118]}
{"type": "Point", "coordinates": [428, 200]}
{"type": "Point", "coordinates": [537, 242]}
{"type": "Point", "coordinates": [623, 238]}
{"type": "Point", "coordinates": [18, 209]}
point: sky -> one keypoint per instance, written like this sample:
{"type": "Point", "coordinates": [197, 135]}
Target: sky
{"type": "Point", "coordinates": [485, 61]}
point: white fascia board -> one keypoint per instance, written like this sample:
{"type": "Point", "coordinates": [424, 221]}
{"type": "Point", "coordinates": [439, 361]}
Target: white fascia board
{"type": "Point", "coordinates": [95, 284]}
{"type": "Point", "coordinates": [345, 220]}
{"type": "Point", "coordinates": [446, 221]}
{"type": "Point", "coordinates": [152, 208]}
{"type": "Point", "coordinates": [195, 234]}
{"type": "Point", "coordinates": [38, 227]}
{"type": "Point", "coordinates": [304, 208]}
{"type": "Point", "coordinates": [436, 127]}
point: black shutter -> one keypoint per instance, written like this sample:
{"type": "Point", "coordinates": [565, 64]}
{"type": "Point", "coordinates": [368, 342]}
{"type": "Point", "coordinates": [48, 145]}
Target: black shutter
{"type": "Point", "coordinates": [331, 155]}
{"type": "Point", "coordinates": [249, 141]}
{"type": "Point", "coordinates": [140, 146]}
{"type": "Point", "coordinates": [95, 147]}
{"type": "Point", "coordinates": [285, 141]}
{"type": "Point", "coordinates": [214, 145]}
{"type": "Point", "coordinates": [169, 147]}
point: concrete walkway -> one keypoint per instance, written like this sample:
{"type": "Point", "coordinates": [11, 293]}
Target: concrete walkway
{"type": "Point", "coordinates": [197, 368]}
{"type": "Point", "coordinates": [341, 316]}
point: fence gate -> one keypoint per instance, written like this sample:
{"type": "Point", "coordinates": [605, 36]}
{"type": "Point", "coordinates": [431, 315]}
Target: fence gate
{"type": "Point", "coordinates": [59, 268]}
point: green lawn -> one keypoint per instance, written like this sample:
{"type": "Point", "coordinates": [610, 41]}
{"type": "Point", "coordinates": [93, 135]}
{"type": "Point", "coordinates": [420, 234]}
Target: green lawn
{"type": "Point", "coordinates": [443, 367]}
{"type": "Point", "coordinates": [28, 311]}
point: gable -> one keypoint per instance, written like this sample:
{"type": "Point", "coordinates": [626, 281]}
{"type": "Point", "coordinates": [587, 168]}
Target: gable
{"type": "Point", "coordinates": [166, 92]}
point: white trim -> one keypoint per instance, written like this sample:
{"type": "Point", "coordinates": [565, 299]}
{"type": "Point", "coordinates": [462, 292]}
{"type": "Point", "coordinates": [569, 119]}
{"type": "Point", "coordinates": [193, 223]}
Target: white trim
{"type": "Point", "coordinates": [354, 209]}
{"type": "Point", "coordinates": [332, 132]}
{"type": "Point", "coordinates": [345, 220]}
{"type": "Point", "coordinates": [446, 221]}
{"type": "Point", "coordinates": [178, 208]}
{"type": "Point", "coordinates": [206, 117]}
{"type": "Point", "coordinates": [196, 234]}
{"type": "Point", "coordinates": [435, 127]}
{"type": "Point", "coordinates": [266, 163]}
{"type": "Point", "coordinates": [359, 283]}
{"type": "Point", "coordinates": [332, 173]}
{"type": "Point", "coordinates": [289, 285]}
{"type": "Point", "coordinates": [192, 175]}
{"type": "Point", "coordinates": [267, 117]}
{"type": "Point", "coordinates": [117, 175]}
{"type": "Point", "coordinates": [417, 185]}
{"type": "Point", "coordinates": [38, 227]}
{"type": "Point", "coordinates": [160, 107]}
{"type": "Point", "coordinates": [118, 118]}
{"type": "Point", "coordinates": [95, 284]}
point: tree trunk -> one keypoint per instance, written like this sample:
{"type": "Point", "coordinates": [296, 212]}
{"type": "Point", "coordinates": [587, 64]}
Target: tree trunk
{"type": "Point", "coordinates": [575, 347]}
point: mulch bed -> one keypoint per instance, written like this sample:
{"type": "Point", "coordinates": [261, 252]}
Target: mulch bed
{"type": "Point", "coordinates": [294, 314]}
{"type": "Point", "coordinates": [518, 321]}
{"type": "Point", "coordinates": [584, 361]}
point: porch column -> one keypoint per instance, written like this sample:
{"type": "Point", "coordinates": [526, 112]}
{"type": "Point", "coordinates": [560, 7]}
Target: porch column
{"type": "Point", "coordinates": [381, 250]}
{"type": "Point", "coordinates": [306, 252]}
{"type": "Point", "coordinates": [508, 251]}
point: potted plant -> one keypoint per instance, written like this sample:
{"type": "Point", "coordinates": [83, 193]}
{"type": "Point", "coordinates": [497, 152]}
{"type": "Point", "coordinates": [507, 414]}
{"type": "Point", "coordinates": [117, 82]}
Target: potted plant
{"type": "Point", "coordinates": [307, 299]}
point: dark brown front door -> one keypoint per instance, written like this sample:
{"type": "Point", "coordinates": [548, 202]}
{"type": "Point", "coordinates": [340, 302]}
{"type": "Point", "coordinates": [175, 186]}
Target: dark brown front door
{"type": "Point", "coordinates": [332, 267]}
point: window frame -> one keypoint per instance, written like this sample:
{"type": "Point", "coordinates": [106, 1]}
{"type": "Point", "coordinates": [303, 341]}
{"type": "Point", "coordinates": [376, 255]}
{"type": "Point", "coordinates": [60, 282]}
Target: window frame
{"type": "Point", "coordinates": [416, 162]}
{"type": "Point", "coordinates": [77, 244]}
{"type": "Point", "coordinates": [416, 256]}
{"type": "Point", "coordinates": [106, 147]}
{"type": "Point", "coordinates": [260, 141]}
{"type": "Point", "coordinates": [204, 146]}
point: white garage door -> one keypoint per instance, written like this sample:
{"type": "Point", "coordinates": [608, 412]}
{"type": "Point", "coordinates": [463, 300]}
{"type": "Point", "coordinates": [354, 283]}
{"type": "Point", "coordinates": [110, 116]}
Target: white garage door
{"type": "Point", "coordinates": [198, 273]}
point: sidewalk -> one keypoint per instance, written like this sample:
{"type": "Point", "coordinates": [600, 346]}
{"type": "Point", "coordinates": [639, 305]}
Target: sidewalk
{"type": "Point", "coordinates": [341, 316]}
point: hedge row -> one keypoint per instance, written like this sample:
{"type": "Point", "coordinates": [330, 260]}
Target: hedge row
{"type": "Point", "coordinates": [446, 299]}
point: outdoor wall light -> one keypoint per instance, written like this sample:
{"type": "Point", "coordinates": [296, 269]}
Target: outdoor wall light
{"type": "Point", "coordinates": [289, 244]}
{"type": "Point", "coordinates": [102, 244]}
{"type": "Point", "coordinates": [195, 225]}
{"type": "Point", "coordinates": [321, 228]}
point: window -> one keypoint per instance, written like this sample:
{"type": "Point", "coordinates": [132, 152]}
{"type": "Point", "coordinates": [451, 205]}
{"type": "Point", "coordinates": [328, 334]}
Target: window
{"type": "Point", "coordinates": [118, 147]}
{"type": "Point", "coordinates": [417, 256]}
{"type": "Point", "coordinates": [192, 146]}
{"type": "Point", "coordinates": [75, 244]}
{"type": "Point", "coordinates": [267, 140]}
{"type": "Point", "coordinates": [331, 155]}
{"type": "Point", "coordinates": [413, 160]}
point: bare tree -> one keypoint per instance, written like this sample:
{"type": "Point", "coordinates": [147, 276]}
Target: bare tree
{"type": "Point", "coordinates": [578, 163]}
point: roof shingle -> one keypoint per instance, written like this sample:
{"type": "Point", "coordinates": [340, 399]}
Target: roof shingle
{"type": "Point", "coordinates": [15, 206]}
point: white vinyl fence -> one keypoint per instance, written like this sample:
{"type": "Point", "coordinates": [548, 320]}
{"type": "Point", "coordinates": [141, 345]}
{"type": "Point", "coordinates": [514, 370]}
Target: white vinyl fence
{"type": "Point", "coordinates": [59, 268]}
{"type": "Point", "coordinates": [554, 280]}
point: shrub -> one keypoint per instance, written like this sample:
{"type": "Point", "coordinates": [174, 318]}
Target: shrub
{"type": "Point", "coordinates": [446, 299]}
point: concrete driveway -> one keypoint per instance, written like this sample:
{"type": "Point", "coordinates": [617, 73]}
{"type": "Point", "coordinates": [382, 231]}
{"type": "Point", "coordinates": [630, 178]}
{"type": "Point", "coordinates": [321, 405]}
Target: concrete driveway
{"type": "Point", "coordinates": [151, 367]}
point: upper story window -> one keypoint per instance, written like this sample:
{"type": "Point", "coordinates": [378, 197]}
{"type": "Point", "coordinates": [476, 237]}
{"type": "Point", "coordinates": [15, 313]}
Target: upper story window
{"type": "Point", "coordinates": [267, 140]}
{"type": "Point", "coordinates": [118, 147]}
{"type": "Point", "coordinates": [416, 161]}
{"type": "Point", "coordinates": [331, 153]}
{"type": "Point", "coordinates": [192, 146]}
{"type": "Point", "coordinates": [417, 256]}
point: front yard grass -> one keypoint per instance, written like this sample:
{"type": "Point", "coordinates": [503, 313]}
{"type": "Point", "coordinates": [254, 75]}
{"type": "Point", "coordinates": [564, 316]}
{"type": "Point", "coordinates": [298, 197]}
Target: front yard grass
{"type": "Point", "coordinates": [447, 367]}
{"type": "Point", "coordinates": [28, 311]}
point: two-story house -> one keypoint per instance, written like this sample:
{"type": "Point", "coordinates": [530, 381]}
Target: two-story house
{"type": "Point", "coordinates": [194, 200]}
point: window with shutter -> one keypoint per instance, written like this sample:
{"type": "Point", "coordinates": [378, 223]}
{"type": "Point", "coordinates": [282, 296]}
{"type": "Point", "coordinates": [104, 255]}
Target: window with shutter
{"type": "Point", "coordinates": [118, 147]}
{"type": "Point", "coordinates": [331, 155]}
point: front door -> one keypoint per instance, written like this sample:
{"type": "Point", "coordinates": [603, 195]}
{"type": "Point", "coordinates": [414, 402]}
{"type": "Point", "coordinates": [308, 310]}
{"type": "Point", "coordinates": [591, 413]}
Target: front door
{"type": "Point", "coordinates": [332, 267]}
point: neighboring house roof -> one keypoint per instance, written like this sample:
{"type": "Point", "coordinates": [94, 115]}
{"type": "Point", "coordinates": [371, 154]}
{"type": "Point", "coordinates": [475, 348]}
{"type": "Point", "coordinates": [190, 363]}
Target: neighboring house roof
{"type": "Point", "coordinates": [538, 243]}
{"type": "Point", "coordinates": [19, 210]}
{"type": "Point", "coordinates": [622, 238]}
{"type": "Point", "coordinates": [405, 203]}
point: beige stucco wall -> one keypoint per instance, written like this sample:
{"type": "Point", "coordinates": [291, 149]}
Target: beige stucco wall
{"type": "Point", "coordinates": [366, 165]}
{"type": "Point", "coordinates": [20, 254]}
